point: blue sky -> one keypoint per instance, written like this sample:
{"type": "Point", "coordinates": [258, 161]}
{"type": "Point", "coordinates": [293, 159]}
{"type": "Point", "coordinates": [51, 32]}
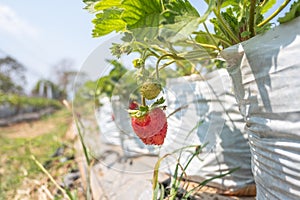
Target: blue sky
{"type": "Point", "coordinates": [41, 33]}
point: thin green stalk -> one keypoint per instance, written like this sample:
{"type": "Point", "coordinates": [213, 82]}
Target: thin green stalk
{"type": "Point", "coordinates": [82, 142]}
{"type": "Point", "coordinates": [66, 194]}
{"type": "Point", "coordinates": [143, 100]}
{"type": "Point", "coordinates": [85, 151]}
{"type": "Point", "coordinates": [162, 57]}
{"type": "Point", "coordinates": [203, 183]}
{"type": "Point", "coordinates": [211, 37]}
{"type": "Point", "coordinates": [153, 53]}
{"type": "Point", "coordinates": [275, 13]}
{"type": "Point", "coordinates": [224, 40]}
{"type": "Point", "coordinates": [209, 46]}
{"type": "Point", "coordinates": [223, 23]}
{"type": "Point", "coordinates": [173, 187]}
{"type": "Point", "coordinates": [251, 18]}
{"type": "Point", "coordinates": [163, 66]}
{"type": "Point", "coordinates": [227, 28]}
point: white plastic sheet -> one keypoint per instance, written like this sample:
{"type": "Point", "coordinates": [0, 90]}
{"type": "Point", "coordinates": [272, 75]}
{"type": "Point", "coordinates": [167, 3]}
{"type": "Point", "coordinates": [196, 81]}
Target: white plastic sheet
{"type": "Point", "coordinates": [265, 72]}
{"type": "Point", "coordinates": [211, 117]}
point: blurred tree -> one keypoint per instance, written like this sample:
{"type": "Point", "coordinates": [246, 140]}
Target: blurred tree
{"type": "Point", "coordinates": [48, 89]}
{"type": "Point", "coordinates": [65, 75]}
{"type": "Point", "coordinates": [12, 75]}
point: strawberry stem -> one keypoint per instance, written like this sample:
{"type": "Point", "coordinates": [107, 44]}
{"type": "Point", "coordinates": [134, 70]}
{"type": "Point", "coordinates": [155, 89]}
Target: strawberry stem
{"type": "Point", "coordinates": [162, 57]}
{"type": "Point", "coordinates": [143, 101]}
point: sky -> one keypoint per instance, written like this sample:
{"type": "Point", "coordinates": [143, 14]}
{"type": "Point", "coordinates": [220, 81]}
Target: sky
{"type": "Point", "coordinates": [39, 34]}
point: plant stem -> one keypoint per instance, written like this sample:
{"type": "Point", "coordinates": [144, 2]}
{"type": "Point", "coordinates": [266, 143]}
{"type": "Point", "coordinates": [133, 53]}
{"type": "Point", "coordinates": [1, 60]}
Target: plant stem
{"type": "Point", "coordinates": [143, 101]}
{"type": "Point", "coordinates": [224, 40]}
{"type": "Point", "coordinates": [163, 66]}
{"type": "Point", "coordinates": [263, 3]}
{"type": "Point", "coordinates": [50, 177]}
{"type": "Point", "coordinates": [211, 37]}
{"type": "Point", "coordinates": [274, 14]}
{"type": "Point", "coordinates": [162, 57]}
{"type": "Point", "coordinates": [227, 29]}
{"type": "Point", "coordinates": [85, 151]}
{"type": "Point", "coordinates": [251, 18]}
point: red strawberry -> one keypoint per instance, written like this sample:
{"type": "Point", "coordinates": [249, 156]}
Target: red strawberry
{"type": "Point", "coordinates": [133, 105]}
{"type": "Point", "coordinates": [151, 128]}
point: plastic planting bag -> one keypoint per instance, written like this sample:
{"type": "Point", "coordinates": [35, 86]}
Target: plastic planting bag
{"type": "Point", "coordinates": [265, 73]}
{"type": "Point", "coordinates": [203, 111]}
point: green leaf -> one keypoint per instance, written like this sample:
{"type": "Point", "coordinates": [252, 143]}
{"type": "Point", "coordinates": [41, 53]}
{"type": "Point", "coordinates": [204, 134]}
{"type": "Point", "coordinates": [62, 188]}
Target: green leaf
{"type": "Point", "coordinates": [108, 21]}
{"type": "Point", "coordinates": [292, 13]}
{"type": "Point", "coordinates": [181, 29]}
{"type": "Point", "coordinates": [226, 3]}
{"type": "Point", "coordinates": [176, 8]}
{"type": "Point", "coordinates": [267, 6]}
{"type": "Point", "coordinates": [141, 13]}
{"type": "Point", "coordinates": [245, 34]}
{"type": "Point", "coordinates": [203, 37]}
{"type": "Point", "coordinates": [107, 4]}
{"type": "Point", "coordinates": [158, 102]}
{"type": "Point", "coordinates": [182, 19]}
{"type": "Point", "coordinates": [90, 5]}
{"type": "Point", "coordinates": [155, 173]}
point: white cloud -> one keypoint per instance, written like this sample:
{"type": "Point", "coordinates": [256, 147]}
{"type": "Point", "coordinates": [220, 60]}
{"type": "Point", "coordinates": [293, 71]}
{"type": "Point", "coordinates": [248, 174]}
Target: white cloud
{"type": "Point", "coordinates": [11, 23]}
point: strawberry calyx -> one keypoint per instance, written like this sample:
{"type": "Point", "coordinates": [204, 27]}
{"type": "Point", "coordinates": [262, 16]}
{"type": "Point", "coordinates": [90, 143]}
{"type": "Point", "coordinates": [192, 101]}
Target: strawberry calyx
{"type": "Point", "coordinates": [143, 110]}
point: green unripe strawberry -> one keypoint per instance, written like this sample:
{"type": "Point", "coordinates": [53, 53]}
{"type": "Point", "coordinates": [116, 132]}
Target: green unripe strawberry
{"type": "Point", "coordinates": [150, 90]}
{"type": "Point", "coordinates": [138, 63]}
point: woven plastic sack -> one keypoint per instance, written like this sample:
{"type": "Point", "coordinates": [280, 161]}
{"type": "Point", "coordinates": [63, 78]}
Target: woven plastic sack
{"type": "Point", "coordinates": [203, 111]}
{"type": "Point", "coordinates": [265, 73]}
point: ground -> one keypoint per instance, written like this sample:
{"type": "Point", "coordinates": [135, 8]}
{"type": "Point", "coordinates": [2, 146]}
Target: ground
{"type": "Point", "coordinates": [20, 176]}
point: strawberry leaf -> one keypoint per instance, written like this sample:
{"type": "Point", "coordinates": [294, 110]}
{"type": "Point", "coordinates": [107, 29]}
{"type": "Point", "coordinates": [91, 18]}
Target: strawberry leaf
{"type": "Point", "coordinates": [267, 6]}
{"type": "Point", "coordinates": [292, 13]}
{"type": "Point", "coordinates": [157, 103]}
{"type": "Point", "coordinates": [108, 21]}
{"type": "Point", "coordinates": [105, 4]}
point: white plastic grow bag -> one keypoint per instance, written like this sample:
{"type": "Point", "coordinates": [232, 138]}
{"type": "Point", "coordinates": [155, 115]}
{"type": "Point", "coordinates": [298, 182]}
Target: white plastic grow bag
{"type": "Point", "coordinates": [265, 73]}
{"type": "Point", "coordinates": [109, 132]}
{"type": "Point", "coordinates": [211, 117]}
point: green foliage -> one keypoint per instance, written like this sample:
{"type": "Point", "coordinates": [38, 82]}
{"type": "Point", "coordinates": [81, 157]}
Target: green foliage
{"type": "Point", "coordinates": [267, 5]}
{"type": "Point", "coordinates": [292, 13]}
{"type": "Point", "coordinates": [108, 21]}
{"type": "Point", "coordinates": [12, 77]}
{"type": "Point", "coordinates": [177, 190]}
{"type": "Point", "coordinates": [163, 23]}
{"type": "Point", "coordinates": [19, 101]}
{"type": "Point", "coordinates": [106, 84]}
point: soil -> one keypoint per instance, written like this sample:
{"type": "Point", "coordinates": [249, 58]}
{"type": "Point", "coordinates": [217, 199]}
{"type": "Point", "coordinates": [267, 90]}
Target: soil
{"type": "Point", "coordinates": [59, 166]}
{"type": "Point", "coordinates": [31, 129]}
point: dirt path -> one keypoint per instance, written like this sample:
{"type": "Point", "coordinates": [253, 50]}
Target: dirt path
{"type": "Point", "coordinates": [34, 128]}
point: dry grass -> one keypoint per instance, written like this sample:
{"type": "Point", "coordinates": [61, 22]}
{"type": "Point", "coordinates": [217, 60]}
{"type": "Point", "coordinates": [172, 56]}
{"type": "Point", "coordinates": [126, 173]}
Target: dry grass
{"type": "Point", "coordinates": [20, 178]}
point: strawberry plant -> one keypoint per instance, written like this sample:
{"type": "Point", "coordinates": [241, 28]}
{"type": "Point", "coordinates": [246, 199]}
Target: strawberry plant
{"type": "Point", "coordinates": [176, 34]}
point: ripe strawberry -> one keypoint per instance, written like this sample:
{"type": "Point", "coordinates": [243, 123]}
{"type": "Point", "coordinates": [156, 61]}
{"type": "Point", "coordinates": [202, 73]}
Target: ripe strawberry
{"type": "Point", "coordinates": [133, 105]}
{"type": "Point", "coordinates": [151, 128]}
{"type": "Point", "coordinates": [150, 90]}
